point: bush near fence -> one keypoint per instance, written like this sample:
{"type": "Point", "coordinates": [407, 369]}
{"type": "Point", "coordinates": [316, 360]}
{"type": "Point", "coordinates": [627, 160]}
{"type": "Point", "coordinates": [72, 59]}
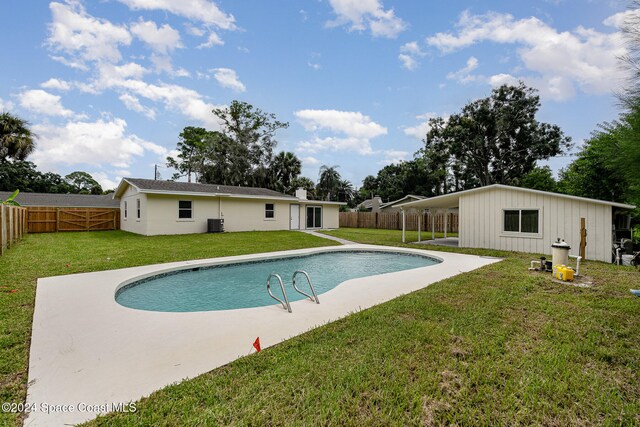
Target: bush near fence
{"type": "Point", "coordinates": [393, 221]}
{"type": "Point", "coordinates": [13, 225]}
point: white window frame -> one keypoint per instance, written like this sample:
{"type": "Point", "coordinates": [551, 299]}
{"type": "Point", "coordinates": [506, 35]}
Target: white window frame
{"type": "Point", "coordinates": [273, 218]}
{"type": "Point", "coordinates": [138, 210]}
{"type": "Point", "coordinates": [537, 235]}
{"type": "Point", "coordinates": [125, 210]}
{"type": "Point", "coordinates": [192, 217]}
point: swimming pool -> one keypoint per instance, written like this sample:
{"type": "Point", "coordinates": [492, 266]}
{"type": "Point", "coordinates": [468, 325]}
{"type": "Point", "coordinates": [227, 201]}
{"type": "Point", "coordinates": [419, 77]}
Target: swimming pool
{"type": "Point", "coordinates": [243, 285]}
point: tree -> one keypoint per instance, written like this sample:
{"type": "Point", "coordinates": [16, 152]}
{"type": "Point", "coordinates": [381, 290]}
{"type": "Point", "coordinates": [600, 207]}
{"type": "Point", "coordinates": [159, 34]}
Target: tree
{"type": "Point", "coordinates": [630, 97]}
{"type": "Point", "coordinates": [539, 178]}
{"type": "Point", "coordinates": [492, 140]}
{"type": "Point", "coordinates": [329, 182]}
{"type": "Point", "coordinates": [192, 148]}
{"type": "Point", "coordinates": [249, 132]}
{"type": "Point", "coordinates": [83, 183]}
{"type": "Point", "coordinates": [285, 167]}
{"type": "Point", "coordinates": [345, 191]}
{"type": "Point", "coordinates": [305, 183]}
{"type": "Point", "coordinates": [16, 139]}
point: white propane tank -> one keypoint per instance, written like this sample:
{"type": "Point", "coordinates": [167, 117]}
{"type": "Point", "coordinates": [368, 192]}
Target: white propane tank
{"type": "Point", "coordinates": [560, 253]}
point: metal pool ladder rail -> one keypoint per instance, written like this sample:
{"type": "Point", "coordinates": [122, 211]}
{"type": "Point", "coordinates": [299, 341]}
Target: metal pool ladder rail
{"type": "Point", "coordinates": [312, 298]}
{"type": "Point", "coordinates": [286, 306]}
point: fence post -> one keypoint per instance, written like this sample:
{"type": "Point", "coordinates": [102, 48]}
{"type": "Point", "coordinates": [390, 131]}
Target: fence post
{"type": "Point", "coordinates": [3, 232]}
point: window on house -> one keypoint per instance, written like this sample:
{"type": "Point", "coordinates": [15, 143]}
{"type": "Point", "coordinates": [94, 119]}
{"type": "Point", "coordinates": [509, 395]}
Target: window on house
{"type": "Point", "coordinates": [269, 210]}
{"type": "Point", "coordinates": [185, 209]}
{"type": "Point", "coordinates": [125, 210]}
{"type": "Point", "coordinates": [138, 207]}
{"type": "Point", "coordinates": [521, 221]}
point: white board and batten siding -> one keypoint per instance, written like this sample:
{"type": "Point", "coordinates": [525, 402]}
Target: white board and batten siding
{"type": "Point", "coordinates": [481, 222]}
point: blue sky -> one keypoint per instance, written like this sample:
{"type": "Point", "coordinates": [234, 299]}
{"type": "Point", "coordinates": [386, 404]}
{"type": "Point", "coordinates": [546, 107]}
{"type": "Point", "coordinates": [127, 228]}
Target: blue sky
{"type": "Point", "coordinates": [108, 85]}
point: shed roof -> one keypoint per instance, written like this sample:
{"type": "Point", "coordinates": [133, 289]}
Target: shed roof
{"type": "Point", "coordinates": [64, 200]}
{"type": "Point", "coordinates": [151, 186]}
{"type": "Point", "coordinates": [452, 200]}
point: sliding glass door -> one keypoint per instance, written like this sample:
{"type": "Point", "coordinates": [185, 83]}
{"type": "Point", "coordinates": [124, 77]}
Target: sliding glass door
{"type": "Point", "coordinates": [314, 216]}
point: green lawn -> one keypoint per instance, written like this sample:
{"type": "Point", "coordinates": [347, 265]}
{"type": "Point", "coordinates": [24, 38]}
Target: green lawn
{"type": "Point", "coordinates": [42, 255]}
{"type": "Point", "coordinates": [497, 346]}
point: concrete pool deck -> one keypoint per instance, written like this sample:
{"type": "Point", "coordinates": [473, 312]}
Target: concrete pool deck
{"type": "Point", "coordinates": [90, 353]}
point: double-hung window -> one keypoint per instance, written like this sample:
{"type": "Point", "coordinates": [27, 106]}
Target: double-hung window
{"type": "Point", "coordinates": [269, 211]}
{"type": "Point", "coordinates": [125, 210]}
{"type": "Point", "coordinates": [139, 211]}
{"type": "Point", "coordinates": [185, 209]}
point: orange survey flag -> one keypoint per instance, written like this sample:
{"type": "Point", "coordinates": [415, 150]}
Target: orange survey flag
{"type": "Point", "coordinates": [256, 344]}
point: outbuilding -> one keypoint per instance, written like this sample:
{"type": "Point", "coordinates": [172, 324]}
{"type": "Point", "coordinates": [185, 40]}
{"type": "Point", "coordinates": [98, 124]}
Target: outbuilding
{"type": "Point", "coordinates": [525, 220]}
{"type": "Point", "coordinates": [152, 207]}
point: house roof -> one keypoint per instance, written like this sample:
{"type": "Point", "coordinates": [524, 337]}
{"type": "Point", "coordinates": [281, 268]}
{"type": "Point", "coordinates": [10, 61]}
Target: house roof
{"type": "Point", "coordinates": [408, 196]}
{"type": "Point", "coordinates": [64, 200]}
{"type": "Point", "coordinates": [151, 186]}
{"type": "Point", "coordinates": [452, 200]}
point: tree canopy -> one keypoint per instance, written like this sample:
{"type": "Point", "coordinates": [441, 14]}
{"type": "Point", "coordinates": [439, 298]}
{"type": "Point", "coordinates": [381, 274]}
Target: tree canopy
{"type": "Point", "coordinates": [494, 140]}
{"type": "Point", "coordinates": [16, 139]}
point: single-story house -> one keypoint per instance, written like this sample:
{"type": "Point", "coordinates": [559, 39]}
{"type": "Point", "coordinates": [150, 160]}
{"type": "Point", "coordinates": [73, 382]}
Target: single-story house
{"type": "Point", "coordinates": [525, 220]}
{"type": "Point", "coordinates": [63, 200]}
{"type": "Point", "coordinates": [152, 207]}
{"type": "Point", "coordinates": [393, 206]}
{"type": "Point", "coordinates": [375, 204]}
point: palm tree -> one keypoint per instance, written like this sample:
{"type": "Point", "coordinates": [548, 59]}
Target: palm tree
{"type": "Point", "coordinates": [285, 167]}
{"type": "Point", "coordinates": [345, 191]}
{"type": "Point", "coordinates": [303, 182]}
{"type": "Point", "coordinates": [329, 181]}
{"type": "Point", "coordinates": [16, 139]}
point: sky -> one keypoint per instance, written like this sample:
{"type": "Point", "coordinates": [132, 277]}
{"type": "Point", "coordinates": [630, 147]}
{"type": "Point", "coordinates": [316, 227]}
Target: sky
{"type": "Point", "coordinates": [108, 85]}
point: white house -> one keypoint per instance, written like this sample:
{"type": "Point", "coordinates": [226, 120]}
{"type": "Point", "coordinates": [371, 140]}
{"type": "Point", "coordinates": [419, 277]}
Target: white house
{"type": "Point", "coordinates": [524, 220]}
{"type": "Point", "coordinates": [152, 207]}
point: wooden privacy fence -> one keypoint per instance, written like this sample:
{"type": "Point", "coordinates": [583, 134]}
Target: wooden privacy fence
{"type": "Point", "coordinates": [51, 219]}
{"type": "Point", "coordinates": [393, 221]}
{"type": "Point", "coordinates": [13, 225]}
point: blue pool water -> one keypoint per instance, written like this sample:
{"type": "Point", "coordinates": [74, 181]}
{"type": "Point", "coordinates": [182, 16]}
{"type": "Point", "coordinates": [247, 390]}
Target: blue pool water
{"type": "Point", "coordinates": [244, 285]}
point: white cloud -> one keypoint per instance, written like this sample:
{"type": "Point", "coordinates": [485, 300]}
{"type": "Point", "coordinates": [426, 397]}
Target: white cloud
{"type": "Point", "coordinates": [197, 10]}
{"type": "Point", "coordinates": [228, 78]}
{"type": "Point", "coordinates": [194, 31]}
{"type": "Point", "coordinates": [133, 103]}
{"type": "Point", "coordinates": [213, 40]}
{"type": "Point", "coordinates": [464, 75]}
{"type": "Point", "coordinates": [105, 182]}
{"type": "Point", "coordinates": [355, 128]}
{"type": "Point", "coordinates": [162, 64]}
{"type": "Point", "coordinates": [408, 61]}
{"type": "Point", "coordinates": [311, 161]}
{"type": "Point", "coordinates": [56, 84]}
{"type": "Point", "coordinates": [42, 102]}
{"type": "Point", "coordinates": [582, 58]}
{"type": "Point", "coordinates": [84, 37]}
{"type": "Point", "coordinates": [394, 156]}
{"type": "Point", "coordinates": [78, 142]}
{"type": "Point", "coordinates": [409, 52]}
{"type": "Point", "coordinates": [367, 14]}
{"type": "Point", "coordinates": [420, 130]}
{"type": "Point", "coordinates": [5, 105]}
{"type": "Point", "coordinates": [621, 19]}
{"type": "Point", "coordinates": [161, 39]}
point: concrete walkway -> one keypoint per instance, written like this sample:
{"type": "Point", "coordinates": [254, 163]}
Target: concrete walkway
{"type": "Point", "coordinates": [326, 236]}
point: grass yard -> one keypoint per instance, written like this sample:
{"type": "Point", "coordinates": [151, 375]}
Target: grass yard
{"type": "Point", "coordinates": [42, 255]}
{"type": "Point", "coordinates": [497, 346]}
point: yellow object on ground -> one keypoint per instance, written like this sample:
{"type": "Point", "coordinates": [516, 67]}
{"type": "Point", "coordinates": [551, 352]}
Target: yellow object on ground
{"type": "Point", "coordinates": [564, 273]}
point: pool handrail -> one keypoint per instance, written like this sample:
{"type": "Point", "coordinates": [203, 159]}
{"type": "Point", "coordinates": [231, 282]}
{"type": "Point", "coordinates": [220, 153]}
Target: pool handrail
{"type": "Point", "coordinates": [286, 306]}
{"type": "Point", "coordinates": [313, 298]}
